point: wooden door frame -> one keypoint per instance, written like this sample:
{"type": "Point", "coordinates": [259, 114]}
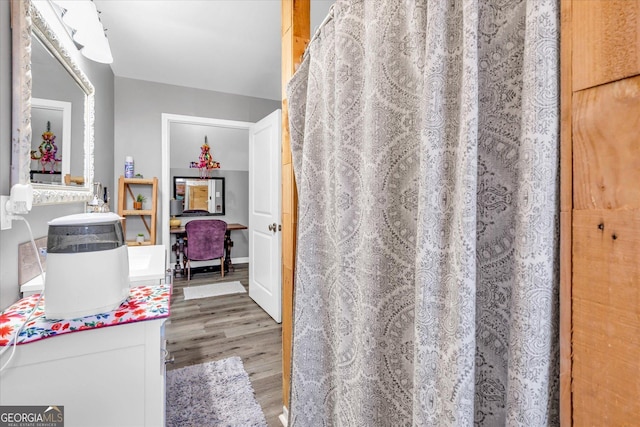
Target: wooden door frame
{"type": "Point", "coordinates": [296, 27]}
{"type": "Point", "coordinates": [599, 50]}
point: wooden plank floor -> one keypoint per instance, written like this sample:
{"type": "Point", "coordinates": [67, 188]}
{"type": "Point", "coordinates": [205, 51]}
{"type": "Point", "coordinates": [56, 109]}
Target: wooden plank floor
{"type": "Point", "coordinates": [215, 328]}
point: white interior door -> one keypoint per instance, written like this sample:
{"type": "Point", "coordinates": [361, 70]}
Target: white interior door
{"type": "Point", "coordinates": [265, 241]}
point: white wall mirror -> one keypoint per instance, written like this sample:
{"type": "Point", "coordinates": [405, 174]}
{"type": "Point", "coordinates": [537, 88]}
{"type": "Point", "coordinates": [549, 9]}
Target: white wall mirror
{"type": "Point", "coordinates": [48, 83]}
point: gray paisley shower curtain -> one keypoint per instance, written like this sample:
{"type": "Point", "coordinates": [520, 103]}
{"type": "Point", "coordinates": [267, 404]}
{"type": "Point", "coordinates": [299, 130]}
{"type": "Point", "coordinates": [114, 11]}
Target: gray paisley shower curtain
{"type": "Point", "coordinates": [425, 147]}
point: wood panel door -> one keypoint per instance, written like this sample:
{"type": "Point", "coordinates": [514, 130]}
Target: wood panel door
{"type": "Point", "coordinates": [601, 149]}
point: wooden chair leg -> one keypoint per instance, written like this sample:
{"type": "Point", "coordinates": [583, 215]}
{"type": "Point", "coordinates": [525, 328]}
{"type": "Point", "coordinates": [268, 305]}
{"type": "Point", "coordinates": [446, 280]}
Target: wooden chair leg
{"type": "Point", "coordinates": [222, 266]}
{"type": "Point", "coordinates": [188, 271]}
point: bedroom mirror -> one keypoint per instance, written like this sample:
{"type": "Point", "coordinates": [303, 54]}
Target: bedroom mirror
{"type": "Point", "coordinates": [53, 109]}
{"type": "Point", "coordinates": [200, 194]}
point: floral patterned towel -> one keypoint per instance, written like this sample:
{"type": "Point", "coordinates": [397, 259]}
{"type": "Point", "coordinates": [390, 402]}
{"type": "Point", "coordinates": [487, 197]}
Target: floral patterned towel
{"type": "Point", "coordinates": [143, 303]}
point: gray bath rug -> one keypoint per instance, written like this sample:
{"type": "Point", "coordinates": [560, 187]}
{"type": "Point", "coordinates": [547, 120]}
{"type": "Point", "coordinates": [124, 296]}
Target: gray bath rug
{"type": "Point", "coordinates": [212, 394]}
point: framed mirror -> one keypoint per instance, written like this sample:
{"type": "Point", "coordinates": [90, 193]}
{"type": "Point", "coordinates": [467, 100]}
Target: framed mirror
{"type": "Point", "coordinates": [200, 194]}
{"type": "Point", "coordinates": [48, 85]}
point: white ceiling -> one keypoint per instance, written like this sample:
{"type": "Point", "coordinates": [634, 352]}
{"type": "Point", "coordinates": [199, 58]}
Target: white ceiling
{"type": "Point", "coordinates": [230, 46]}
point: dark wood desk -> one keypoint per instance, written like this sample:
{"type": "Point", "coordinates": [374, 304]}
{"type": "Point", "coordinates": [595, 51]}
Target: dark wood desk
{"type": "Point", "coordinates": [181, 237]}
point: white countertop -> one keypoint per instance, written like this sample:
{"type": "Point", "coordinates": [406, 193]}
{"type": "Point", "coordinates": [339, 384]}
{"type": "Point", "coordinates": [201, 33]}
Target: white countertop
{"type": "Point", "coordinates": [146, 267]}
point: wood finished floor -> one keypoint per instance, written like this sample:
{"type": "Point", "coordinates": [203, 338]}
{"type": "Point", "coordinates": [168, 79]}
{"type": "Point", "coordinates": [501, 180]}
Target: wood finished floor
{"type": "Point", "coordinates": [208, 329]}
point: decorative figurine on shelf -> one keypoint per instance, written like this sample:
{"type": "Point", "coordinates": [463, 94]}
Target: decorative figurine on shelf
{"type": "Point", "coordinates": [206, 163]}
{"type": "Point", "coordinates": [48, 150]}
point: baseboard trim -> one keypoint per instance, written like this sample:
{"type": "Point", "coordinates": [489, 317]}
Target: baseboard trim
{"type": "Point", "coordinates": [241, 260]}
{"type": "Point", "coordinates": [284, 416]}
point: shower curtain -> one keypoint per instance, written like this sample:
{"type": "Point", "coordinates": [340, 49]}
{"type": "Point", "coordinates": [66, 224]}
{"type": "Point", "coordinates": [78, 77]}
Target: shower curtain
{"type": "Point", "coordinates": [425, 148]}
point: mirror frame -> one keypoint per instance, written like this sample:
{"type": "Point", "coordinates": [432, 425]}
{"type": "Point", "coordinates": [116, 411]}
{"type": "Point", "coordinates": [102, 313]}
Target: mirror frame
{"type": "Point", "coordinates": [197, 178]}
{"type": "Point", "coordinates": [27, 21]}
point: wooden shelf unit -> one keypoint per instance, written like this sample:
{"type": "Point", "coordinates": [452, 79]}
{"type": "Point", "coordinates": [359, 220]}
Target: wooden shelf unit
{"type": "Point", "coordinates": [125, 187]}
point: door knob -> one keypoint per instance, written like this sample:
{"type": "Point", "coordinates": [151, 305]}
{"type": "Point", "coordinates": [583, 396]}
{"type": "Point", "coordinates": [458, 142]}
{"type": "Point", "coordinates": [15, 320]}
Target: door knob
{"type": "Point", "coordinates": [273, 227]}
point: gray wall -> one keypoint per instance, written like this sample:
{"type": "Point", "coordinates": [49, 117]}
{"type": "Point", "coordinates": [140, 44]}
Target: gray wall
{"type": "Point", "coordinates": [102, 78]}
{"type": "Point", "coordinates": [138, 129]}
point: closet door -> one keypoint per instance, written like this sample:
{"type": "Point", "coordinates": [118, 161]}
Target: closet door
{"type": "Point", "coordinates": [604, 126]}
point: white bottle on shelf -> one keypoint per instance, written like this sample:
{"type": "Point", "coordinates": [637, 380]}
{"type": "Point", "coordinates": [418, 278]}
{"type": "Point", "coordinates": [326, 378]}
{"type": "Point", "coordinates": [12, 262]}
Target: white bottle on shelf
{"type": "Point", "coordinates": [128, 167]}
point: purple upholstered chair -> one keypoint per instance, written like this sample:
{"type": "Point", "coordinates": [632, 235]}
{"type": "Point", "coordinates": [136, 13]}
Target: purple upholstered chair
{"type": "Point", "coordinates": [205, 241]}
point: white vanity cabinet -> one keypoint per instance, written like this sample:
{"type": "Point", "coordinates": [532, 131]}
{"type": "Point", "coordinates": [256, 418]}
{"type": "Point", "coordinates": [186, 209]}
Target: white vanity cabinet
{"type": "Point", "coordinates": [109, 376]}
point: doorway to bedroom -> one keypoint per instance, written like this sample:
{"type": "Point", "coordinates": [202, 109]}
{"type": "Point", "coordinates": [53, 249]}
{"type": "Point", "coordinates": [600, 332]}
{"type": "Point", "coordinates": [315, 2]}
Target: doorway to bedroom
{"type": "Point", "coordinates": [214, 328]}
